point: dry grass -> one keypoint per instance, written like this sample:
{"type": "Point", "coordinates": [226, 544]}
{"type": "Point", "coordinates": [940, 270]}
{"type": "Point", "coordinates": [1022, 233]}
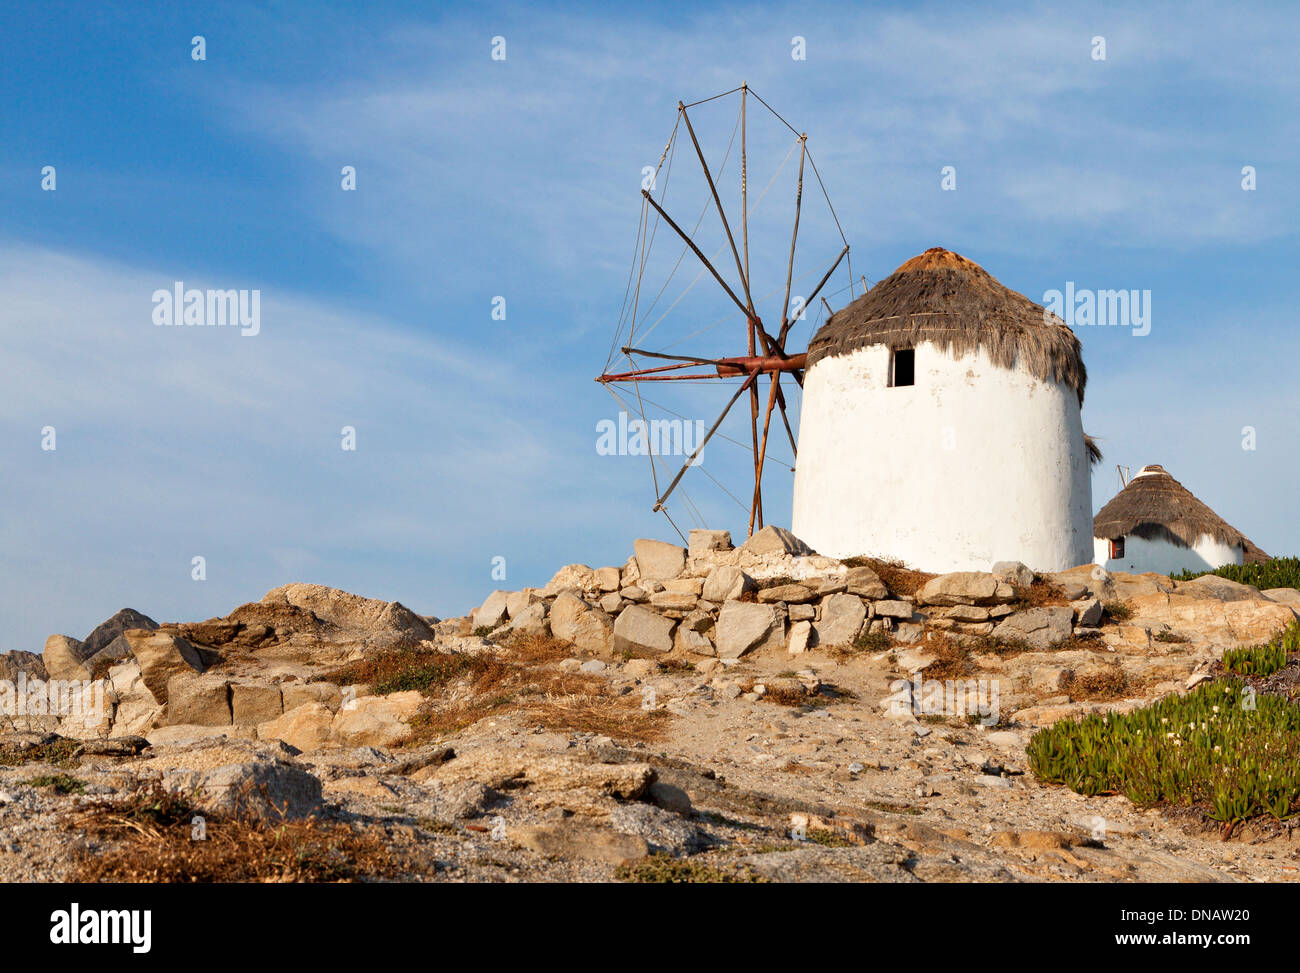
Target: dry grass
{"type": "Point", "coordinates": [620, 717]}
{"type": "Point", "coordinates": [1090, 641]}
{"type": "Point", "coordinates": [951, 657]}
{"type": "Point", "coordinates": [537, 649]}
{"type": "Point", "coordinates": [1040, 594]}
{"type": "Point", "coordinates": [148, 836]}
{"type": "Point", "coordinates": [1099, 684]}
{"type": "Point", "coordinates": [794, 767]}
{"type": "Point", "coordinates": [520, 677]}
{"type": "Point", "coordinates": [897, 576]}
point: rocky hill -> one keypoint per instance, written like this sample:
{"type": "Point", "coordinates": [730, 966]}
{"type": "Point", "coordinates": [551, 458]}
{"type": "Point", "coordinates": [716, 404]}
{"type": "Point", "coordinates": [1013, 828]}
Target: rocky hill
{"type": "Point", "coordinates": [700, 713]}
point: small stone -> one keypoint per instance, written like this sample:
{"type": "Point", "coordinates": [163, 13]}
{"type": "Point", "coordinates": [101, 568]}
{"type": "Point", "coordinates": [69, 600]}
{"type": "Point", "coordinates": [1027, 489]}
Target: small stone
{"type": "Point", "coordinates": [673, 600]}
{"type": "Point", "coordinates": [1040, 627]}
{"type": "Point", "coordinates": [639, 629]}
{"type": "Point", "coordinates": [800, 635]}
{"type": "Point", "coordinates": [1087, 612]}
{"type": "Point", "coordinates": [842, 618]}
{"type": "Point", "coordinates": [865, 583]}
{"type": "Point", "coordinates": [743, 627]}
{"type": "Point", "coordinates": [702, 542]}
{"type": "Point", "coordinates": [902, 610]}
{"type": "Point", "coordinates": [958, 588]}
{"type": "Point", "coordinates": [658, 560]}
{"type": "Point", "coordinates": [776, 540]}
{"type": "Point", "coordinates": [1013, 572]}
{"type": "Point", "coordinates": [693, 586]}
{"type": "Point", "coordinates": [725, 583]}
{"type": "Point", "coordinates": [789, 593]}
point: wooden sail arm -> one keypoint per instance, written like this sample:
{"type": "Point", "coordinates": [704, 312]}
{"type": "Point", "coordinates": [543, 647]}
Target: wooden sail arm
{"type": "Point", "coordinates": [723, 367]}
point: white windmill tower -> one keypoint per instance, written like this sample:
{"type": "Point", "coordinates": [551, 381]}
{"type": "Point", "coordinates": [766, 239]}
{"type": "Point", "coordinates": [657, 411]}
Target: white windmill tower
{"type": "Point", "coordinates": [941, 426]}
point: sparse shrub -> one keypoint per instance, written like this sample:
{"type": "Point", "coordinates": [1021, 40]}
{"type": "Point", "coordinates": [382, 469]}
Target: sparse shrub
{"type": "Point", "coordinates": [1039, 594]}
{"type": "Point", "coordinates": [1165, 635]}
{"type": "Point", "coordinates": [1101, 682]}
{"type": "Point", "coordinates": [60, 783]}
{"type": "Point", "coordinates": [1117, 611]}
{"type": "Point", "coordinates": [58, 752]}
{"type": "Point", "coordinates": [869, 641]}
{"type": "Point", "coordinates": [665, 868]}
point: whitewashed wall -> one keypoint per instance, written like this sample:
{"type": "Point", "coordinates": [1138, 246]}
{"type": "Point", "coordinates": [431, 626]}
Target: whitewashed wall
{"type": "Point", "coordinates": [1161, 556]}
{"type": "Point", "coordinates": [971, 465]}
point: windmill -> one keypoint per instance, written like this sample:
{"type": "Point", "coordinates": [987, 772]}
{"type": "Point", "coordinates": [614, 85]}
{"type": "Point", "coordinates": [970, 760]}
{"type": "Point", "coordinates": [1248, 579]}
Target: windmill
{"type": "Point", "coordinates": [765, 354]}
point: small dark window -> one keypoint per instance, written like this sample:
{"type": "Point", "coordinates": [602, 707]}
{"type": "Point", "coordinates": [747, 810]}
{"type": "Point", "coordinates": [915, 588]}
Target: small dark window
{"type": "Point", "coordinates": [903, 367]}
{"type": "Point", "coordinates": [1116, 548]}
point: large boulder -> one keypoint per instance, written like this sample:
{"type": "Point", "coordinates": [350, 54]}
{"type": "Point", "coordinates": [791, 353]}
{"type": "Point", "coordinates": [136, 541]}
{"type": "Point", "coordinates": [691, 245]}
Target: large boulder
{"type": "Point", "coordinates": [64, 658]}
{"type": "Point", "coordinates": [493, 611]}
{"type": "Point", "coordinates": [198, 700]}
{"type": "Point", "coordinates": [659, 560]}
{"type": "Point", "coordinates": [594, 632]}
{"type": "Point", "coordinates": [135, 709]}
{"type": "Point", "coordinates": [1212, 624]}
{"type": "Point", "coordinates": [503, 769]}
{"type": "Point", "coordinates": [305, 727]}
{"type": "Point", "coordinates": [17, 661]}
{"type": "Point", "coordinates": [573, 577]}
{"type": "Point", "coordinates": [376, 721]}
{"type": "Point", "coordinates": [160, 656]}
{"type": "Point", "coordinates": [112, 628]}
{"type": "Point", "coordinates": [1040, 627]}
{"type": "Point", "coordinates": [1096, 582]}
{"type": "Point", "coordinates": [252, 703]}
{"type": "Point", "coordinates": [639, 630]}
{"type": "Point", "coordinates": [959, 588]}
{"type": "Point", "coordinates": [269, 789]}
{"type": "Point", "coordinates": [841, 621]}
{"type": "Point", "coordinates": [1284, 596]}
{"type": "Point", "coordinates": [311, 622]}
{"type": "Point", "coordinates": [1212, 586]}
{"type": "Point", "coordinates": [776, 540]}
{"type": "Point", "coordinates": [743, 627]}
{"type": "Point", "coordinates": [564, 615]}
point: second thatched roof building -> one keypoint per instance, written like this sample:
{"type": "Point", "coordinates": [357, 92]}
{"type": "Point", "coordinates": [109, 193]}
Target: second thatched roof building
{"type": "Point", "coordinates": [1157, 524]}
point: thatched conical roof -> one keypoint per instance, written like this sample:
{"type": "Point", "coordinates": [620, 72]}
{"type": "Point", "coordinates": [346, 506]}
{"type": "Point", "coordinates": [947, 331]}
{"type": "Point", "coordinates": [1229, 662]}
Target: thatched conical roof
{"type": "Point", "coordinates": [941, 297]}
{"type": "Point", "coordinates": [1155, 505]}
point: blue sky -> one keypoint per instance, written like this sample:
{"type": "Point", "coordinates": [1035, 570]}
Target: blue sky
{"type": "Point", "coordinates": [520, 178]}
